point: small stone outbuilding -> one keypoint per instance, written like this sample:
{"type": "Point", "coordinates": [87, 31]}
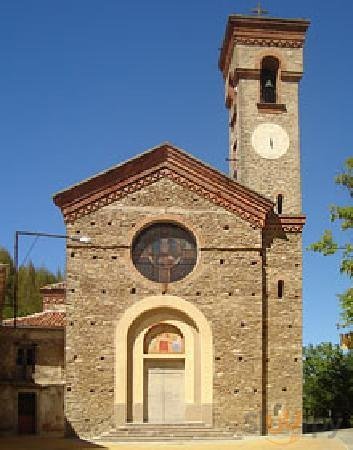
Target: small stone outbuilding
{"type": "Point", "coordinates": [32, 369]}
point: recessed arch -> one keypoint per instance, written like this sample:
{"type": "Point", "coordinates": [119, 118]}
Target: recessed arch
{"type": "Point", "coordinates": [130, 318]}
{"type": "Point", "coordinates": [163, 338]}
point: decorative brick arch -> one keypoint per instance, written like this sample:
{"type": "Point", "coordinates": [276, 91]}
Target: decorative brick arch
{"type": "Point", "coordinates": [274, 53]}
{"type": "Point", "coordinates": [129, 318]}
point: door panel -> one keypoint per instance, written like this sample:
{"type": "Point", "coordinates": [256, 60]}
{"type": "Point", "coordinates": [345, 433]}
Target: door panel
{"type": "Point", "coordinates": [155, 396]}
{"type": "Point", "coordinates": [166, 398]}
{"type": "Point", "coordinates": [174, 397]}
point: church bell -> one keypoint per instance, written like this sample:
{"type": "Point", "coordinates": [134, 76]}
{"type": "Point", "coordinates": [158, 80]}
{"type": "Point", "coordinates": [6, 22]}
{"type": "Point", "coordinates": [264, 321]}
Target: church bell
{"type": "Point", "coordinates": [269, 84]}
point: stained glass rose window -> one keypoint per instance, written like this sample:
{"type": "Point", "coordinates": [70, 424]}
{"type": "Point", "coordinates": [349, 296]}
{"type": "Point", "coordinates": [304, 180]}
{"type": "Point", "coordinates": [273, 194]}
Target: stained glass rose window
{"type": "Point", "coordinates": [164, 252]}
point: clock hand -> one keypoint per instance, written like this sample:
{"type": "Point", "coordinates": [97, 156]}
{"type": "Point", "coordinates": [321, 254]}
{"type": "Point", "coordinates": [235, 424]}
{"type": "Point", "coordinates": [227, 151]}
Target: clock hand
{"type": "Point", "coordinates": [271, 143]}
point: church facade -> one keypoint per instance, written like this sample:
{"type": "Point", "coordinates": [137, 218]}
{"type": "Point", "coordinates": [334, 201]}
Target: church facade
{"type": "Point", "coordinates": [186, 306]}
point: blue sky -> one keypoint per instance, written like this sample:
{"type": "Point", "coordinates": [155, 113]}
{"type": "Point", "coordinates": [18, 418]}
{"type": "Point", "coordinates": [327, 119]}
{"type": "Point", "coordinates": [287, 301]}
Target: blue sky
{"type": "Point", "coordinates": [86, 84]}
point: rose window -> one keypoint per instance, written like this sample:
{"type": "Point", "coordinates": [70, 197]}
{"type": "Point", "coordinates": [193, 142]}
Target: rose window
{"type": "Point", "coordinates": [164, 252]}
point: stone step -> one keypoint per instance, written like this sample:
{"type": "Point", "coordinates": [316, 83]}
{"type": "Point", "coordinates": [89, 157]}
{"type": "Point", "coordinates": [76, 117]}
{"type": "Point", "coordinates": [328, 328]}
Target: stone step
{"type": "Point", "coordinates": [164, 425]}
{"type": "Point", "coordinates": [165, 439]}
{"type": "Point", "coordinates": [166, 432]}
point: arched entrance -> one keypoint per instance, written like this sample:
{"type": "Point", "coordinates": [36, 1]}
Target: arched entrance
{"type": "Point", "coordinates": [164, 363]}
{"type": "Point", "coordinates": [164, 374]}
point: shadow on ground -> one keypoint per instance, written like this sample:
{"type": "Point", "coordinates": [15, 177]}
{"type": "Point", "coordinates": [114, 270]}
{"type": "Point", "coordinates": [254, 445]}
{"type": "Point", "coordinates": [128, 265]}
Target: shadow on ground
{"type": "Point", "coordinates": [318, 442]}
{"type": "Point", "coordinates": [42, 443]}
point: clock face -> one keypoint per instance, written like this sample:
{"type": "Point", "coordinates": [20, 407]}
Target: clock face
{"type": "Point", "coordinates": [270, 140]}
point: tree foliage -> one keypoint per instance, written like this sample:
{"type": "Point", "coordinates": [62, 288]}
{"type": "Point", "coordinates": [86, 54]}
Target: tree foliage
{"type": "Point", "coordinates": [328, 245]}
{"type": "Point", "coordinates": [328, 381]}
{"type": "Point", "coordinates": [30, 280]}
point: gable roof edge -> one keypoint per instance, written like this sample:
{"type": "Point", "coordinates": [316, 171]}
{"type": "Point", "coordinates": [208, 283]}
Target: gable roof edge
{"type": "Point", "coordinates": [164, 161]}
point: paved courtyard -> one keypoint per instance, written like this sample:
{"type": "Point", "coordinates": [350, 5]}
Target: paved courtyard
{"type": "Point", "coordinates": [319, 442]}
{"type": "Point", "coordinates": [346, 436]}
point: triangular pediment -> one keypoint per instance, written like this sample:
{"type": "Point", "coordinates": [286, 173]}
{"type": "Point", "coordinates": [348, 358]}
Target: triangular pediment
{"type": "Point", "coordinates": [164, 161]}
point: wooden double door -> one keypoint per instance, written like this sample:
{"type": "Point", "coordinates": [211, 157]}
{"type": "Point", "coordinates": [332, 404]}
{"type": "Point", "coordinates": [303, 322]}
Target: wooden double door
{"type": "Point", "coordinates": [164, 392]}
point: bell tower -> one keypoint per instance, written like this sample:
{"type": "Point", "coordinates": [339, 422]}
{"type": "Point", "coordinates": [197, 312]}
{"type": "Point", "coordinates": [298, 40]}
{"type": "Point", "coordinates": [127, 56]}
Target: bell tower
{"type": "Point", "coordinates": [262, 64]}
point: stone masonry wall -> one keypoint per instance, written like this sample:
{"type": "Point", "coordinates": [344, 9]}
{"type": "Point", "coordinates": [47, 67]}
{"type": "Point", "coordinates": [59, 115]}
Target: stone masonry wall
{"type": "Point", "coordinates": [283, 353]}
{"type": "Point", "coordinates": [102, 283]}
{"type": "Point", "coordinates": [269, 177]}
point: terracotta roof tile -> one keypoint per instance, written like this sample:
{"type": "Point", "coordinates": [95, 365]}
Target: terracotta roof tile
{"type": "Point", "coordinates": [46, 319]}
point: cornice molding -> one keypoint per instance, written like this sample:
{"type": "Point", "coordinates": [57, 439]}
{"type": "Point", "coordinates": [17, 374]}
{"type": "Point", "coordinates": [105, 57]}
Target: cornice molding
{"type": "Point", "coordinates": [172, 164]}
{"type": "Point", "coordinates": [260, 32]}
{"type": "Point", "coordinates": [288, 224]}
{"type": "Point", "coordinates": [291, 76]}
{"type": "Point", "coordinates": [273, 108]}
{"type": "Point", "coordinates": [255, 74]}
{"type": "Point", "coordinates": [269, 42]}
{"type": "Point", "coordinates": [246, 74]}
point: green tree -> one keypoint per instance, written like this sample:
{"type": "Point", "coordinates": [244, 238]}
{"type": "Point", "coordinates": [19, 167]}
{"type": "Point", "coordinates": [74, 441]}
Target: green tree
{"type": "Point", "coordinates": [328, 382]}
{"type": "Point", "coordinates": [5, 258]}
{"type": "Point", "coordinates": [30, 280]}
{"type": "Point", "coordinates": [328, 245]}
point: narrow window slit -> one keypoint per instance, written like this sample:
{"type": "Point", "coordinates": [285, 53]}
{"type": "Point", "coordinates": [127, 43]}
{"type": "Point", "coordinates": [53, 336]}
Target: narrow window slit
{"type": "Point", "coordinates": [280, 289]}
{"type": "Point", "coordinates": [279, 203]}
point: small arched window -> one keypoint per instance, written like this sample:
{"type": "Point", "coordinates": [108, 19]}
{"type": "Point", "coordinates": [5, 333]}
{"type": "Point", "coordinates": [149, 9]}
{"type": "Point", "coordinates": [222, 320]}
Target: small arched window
{"type": "Point", "coordinates": [269, 75]}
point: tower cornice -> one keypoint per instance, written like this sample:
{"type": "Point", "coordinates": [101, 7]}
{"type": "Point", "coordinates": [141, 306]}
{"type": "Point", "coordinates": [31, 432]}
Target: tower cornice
{"type": "Point", "coordinates": [262, 32]}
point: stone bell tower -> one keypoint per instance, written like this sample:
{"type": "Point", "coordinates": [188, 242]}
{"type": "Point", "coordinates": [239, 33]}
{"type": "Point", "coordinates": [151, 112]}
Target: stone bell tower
{"type": "Point", "coordinates": [262, 64]}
